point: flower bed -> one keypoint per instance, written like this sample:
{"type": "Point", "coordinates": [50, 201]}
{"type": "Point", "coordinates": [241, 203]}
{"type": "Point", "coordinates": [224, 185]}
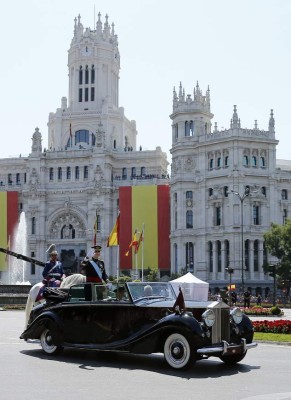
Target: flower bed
{"type": "Point", "coordinates": [256, 310]}
{"type": "Point", "coordinates": [278, 326]}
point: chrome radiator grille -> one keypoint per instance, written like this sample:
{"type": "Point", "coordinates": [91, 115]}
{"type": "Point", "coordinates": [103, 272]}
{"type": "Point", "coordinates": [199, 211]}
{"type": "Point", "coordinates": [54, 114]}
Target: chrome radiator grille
{"type": "Point", "coordinates": [221, 327]}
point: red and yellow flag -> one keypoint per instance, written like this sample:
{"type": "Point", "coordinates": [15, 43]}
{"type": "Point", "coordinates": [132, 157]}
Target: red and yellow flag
{"type": "Point", "coordinates": [113, 238]}
{"type": "Point", "coordinates": [133, 243]}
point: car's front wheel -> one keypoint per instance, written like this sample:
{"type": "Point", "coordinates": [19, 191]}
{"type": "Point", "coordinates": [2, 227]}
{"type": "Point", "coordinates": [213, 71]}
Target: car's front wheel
{"type": "Point", "coordinates": [233, 359]}
{"type": "Point", "coordinates": [47, 342]}
{"type": "Point", "coordinates": [177, 351]}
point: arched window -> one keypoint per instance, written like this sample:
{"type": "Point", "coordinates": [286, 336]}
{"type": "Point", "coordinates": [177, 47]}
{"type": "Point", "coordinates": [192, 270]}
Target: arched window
{"type": "Point", "coordinates": [92, 74]}
{"type": "Point", "coordinates": [133, 172]}
{"type": "Point", "coordinates": [189, 219]}
{"type": "Point", "coordinates": [86, 75]}
{"type": "Point", "coordinates": [51, 174]}
{"type": "Point", "coordinates": [114, 143]}
{"type": "Point", "coordinates": [254, 161]}
{"type": "Point", "coordinates": [9, 179]}
{"type": "Point", "coordinates": [142, 171]}
{"type": "Point", "coordinates": [218, 162]}
{"type": "Point", "coordinates": [18, 178]}
{"type": "Point", "coordinates": [226, 161]}
{"type": "Point", "coordinates": [191, 128]}
{"type": "Point", "coordinates": [262, 162]}
{"type": "Point", "coordinates": [211, 163]}
{"type": "Point", "coordinates": [210, 192]}
{"type": "Point", "coordinates": [245, 161]}
{"type": "Point", "coordinates": [264, 191]}
{"type": "Point", "coordinates": [82, 136]}
{"type": "Point", "coordinates": [81, 75]}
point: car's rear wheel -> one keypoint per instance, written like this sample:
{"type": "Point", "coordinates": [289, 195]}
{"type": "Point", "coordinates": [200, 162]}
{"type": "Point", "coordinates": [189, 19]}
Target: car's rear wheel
{"type": "Point", "coordinates": [233, 359]}
{"type": "Point", "coordinates": [46, 342]}
{"type": "Point", "coordinates": [177, 351]}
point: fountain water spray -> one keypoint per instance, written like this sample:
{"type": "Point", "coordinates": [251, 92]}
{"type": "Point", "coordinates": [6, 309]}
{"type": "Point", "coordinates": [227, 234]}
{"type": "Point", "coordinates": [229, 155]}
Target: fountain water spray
{"type": "Point", "coordinates": [18, 267]}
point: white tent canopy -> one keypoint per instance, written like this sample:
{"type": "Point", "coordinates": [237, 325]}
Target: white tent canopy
{"type": "Point", "coordinates": [192, 287]}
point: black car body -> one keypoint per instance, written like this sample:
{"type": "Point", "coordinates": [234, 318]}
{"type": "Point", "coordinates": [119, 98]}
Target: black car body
{"type": "Point", "coordinates": [89, 316]}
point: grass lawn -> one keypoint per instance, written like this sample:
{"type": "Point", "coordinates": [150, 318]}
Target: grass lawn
{"type": "Point", "coordinates": [272, 337]}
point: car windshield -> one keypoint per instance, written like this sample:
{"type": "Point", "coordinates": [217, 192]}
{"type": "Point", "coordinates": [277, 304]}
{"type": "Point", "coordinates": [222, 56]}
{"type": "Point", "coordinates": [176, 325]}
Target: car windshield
{"type": "Point", "coordinates": [139, 290]}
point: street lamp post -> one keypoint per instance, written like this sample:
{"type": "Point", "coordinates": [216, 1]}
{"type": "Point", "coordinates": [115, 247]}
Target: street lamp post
{"type": "Point", "coordinates": [242, 197]}
{"type": "Point", "coordinates": [230, 271]}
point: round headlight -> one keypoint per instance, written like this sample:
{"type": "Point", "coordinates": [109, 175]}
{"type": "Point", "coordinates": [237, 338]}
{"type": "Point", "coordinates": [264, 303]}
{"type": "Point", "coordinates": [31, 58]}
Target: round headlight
{"type": "Point", "coordinates": [236, 315]}
{"type": "Point", "coordinates": [208, 317]}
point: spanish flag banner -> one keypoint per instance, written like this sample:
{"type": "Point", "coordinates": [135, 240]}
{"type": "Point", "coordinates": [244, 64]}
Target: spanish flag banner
{"type": "Point", "coordinates": [148, 205]}
{"type": "Point", "coordinates": [8, 222]}
{"type": "Point", "coordinates": [113, 238]}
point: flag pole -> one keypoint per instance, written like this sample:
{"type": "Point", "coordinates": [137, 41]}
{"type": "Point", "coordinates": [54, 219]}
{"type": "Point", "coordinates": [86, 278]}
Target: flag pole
{"type": "Point", "coordinates": [136, 268]}
{"type": "Point", "coordinates": [142, 249]}
{"type": "Point", "coordinates": [117, 264]}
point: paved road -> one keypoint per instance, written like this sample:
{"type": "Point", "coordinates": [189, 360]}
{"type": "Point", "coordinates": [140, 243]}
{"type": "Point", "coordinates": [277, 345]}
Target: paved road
{"type": "Point", "coordinates": [28, 374]}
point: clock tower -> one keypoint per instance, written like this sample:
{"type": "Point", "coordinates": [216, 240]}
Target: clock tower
{"type": "Point", "coordinates": [91, 116]}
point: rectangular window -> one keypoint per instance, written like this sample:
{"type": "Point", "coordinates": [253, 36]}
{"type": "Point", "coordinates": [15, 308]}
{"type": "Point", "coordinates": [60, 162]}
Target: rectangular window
{"type": "Point", "coordinates": [80, 95]}
{"type": "Point", "coordinates": [217, 216]}
{"type": "Point", "coordinates": [189, 195]}
{"type": "Point", "coordinates": [92, 93]}
{"type": "Point", "coordinates": [68, 173]}
{"type": "Point", "coordinates": [77, 173]}
{"type": "Point", "coordinates": [86, 94]}
{"type": "Point", "coordinates": [85, 172]}
{"type": "Point", "coordinates": [60, 173]}
{"type": "Point", "coordinates": [256, 211]}
{"type": "Point", "coordinates": [33, 225]}
{"type": "Point", "coordinates": [51, 174]}
{"type": "Point", "coordinates": [285, 216]}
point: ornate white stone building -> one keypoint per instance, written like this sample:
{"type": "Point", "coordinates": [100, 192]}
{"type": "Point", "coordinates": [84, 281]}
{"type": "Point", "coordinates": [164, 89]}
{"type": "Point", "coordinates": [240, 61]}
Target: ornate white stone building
{"type": "Point", "coordinates": [226, 189]}
{"type": "Point", "coordinates": [91, 152]}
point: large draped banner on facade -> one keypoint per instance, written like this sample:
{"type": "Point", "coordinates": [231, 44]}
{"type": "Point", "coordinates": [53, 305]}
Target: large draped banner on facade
{"type": "Point", "coordinates": [148, 205]}
{"type": "Point", "coordinates": [8, 222]}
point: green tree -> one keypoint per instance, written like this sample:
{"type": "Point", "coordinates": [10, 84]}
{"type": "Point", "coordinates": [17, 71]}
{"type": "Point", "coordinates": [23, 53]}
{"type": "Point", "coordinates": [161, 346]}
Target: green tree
{"type": "Point", "coordinates": [278, 243]}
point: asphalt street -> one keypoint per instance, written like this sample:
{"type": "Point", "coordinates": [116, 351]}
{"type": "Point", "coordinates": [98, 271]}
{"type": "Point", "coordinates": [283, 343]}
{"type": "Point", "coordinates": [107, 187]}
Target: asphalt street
{"type": "Point", "coordinates": [27, 373]}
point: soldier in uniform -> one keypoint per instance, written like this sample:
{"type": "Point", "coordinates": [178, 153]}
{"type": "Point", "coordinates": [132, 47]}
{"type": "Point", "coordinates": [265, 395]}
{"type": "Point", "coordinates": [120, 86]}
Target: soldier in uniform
{"type": "Point", "coordinates": [94, 268]}
{"type": "Point", "coordinates": [53, 271]}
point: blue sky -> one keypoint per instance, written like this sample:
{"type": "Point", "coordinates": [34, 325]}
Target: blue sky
{"type": "Point", "coordinates": [240, 48]}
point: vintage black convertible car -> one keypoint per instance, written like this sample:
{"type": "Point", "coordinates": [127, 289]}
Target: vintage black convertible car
{"type": "Point", "coordinates": [140, 318]}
